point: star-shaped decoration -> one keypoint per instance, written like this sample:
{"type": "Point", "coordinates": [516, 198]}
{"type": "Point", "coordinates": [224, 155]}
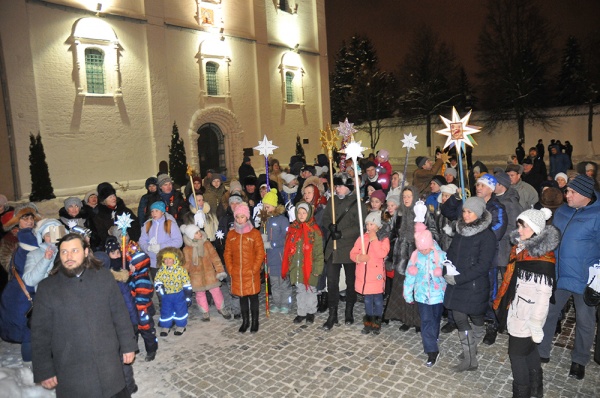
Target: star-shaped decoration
{"type": "Point", "coordinates": [124, 222]}
{"type": "Point", "coordinates": [265, 147]}
{"type": "Point", "coordinates": [354, 149]}
{"type": "Point", "coordinates": [458, 130]}
{"type": "Point", "coordinates": [72, 223]}
{"type": "Point", "coordinates": [346, 129]}
{"type": "Point", "coordinates": [445, 157]}
{"type": "Point", "coordinates": [409, 141]}
{"type": "Point", "coordinates": [328, 138]}
{"type": "Point", "coordinates": [219, 235]}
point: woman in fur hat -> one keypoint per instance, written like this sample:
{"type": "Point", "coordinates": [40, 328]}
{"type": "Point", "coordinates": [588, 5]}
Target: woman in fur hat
{"type": "Point", "coordinates": [526, 290]}
{"type": "Point", "coordinates": [471, 252]}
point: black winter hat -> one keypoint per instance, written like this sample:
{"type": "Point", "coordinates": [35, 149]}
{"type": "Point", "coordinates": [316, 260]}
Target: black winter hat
{"type": "Point", "coordinates": [583, 185]}
{"type": "Point", "coordinates": [344, 179]}
{"type": "Point", "coordinates": [151, 181]}
{"type": "Point", "coordinates": [420, 161]}
{"type": "Point", "coordinates": [439, 180]}
{"type": "Point", "coordinates": [250, 180]}
{"type": "Point", "coordinates": [105, 189]}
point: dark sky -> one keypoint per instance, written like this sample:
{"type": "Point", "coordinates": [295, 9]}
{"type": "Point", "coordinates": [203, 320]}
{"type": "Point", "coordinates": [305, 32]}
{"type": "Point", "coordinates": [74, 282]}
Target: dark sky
{"type": "Point", "coordinates": [390, 23]}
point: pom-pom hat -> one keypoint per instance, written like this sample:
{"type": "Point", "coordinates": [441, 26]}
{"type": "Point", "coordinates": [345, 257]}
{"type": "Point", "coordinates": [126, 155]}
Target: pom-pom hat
{"type": "Point", "coordinates": [270, 198]}
{"type": "Point", "coordinates": [535, 219]}
{"type": "Point", "coordinates": [242, 208]}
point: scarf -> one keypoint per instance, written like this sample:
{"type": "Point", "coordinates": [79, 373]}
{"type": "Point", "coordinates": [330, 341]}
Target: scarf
{"type": "Point", "coordinates": [242, 228]}
{"type": "Point", "coordinates": [299, 234]}
{"type": "Point", "coordinates": [539, 271]}
{"type": "Point", "coordinates": [197, 247]}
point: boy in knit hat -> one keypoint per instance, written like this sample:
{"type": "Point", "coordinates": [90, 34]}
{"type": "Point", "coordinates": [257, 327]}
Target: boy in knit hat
{"type": "Point", "coordinates": [425, 284]}
{"type": "Point", "coordinates": [173, 284]}
{"type": "Point", "coordinates": [274, 227]}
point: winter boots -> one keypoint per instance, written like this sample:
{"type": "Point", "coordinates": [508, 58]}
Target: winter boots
{"type": "Point", "coordinates": [376, 325]}
{"type": "Point", "coordinates": [349, 318]}
{"type": "Point", "coordinates": [299, 319]}
{"type": "Point", "coordinates": [224, 313]}
{"type": "Point", "coordinates": [478, 333]}
{"type": "Point", "coordinates": [467, 341]}
{"type": "Point", "coordinates": [490, 334]}
{"type": "Point", "coordinates": [332, 319]}
{"type": "Point", "coordinates": [245, 321]}
{"type": "Point", "coordinates": [310, 318]}
{"type": "Point", "coordinates": [536, 382]}
{"type": "Point", "coordinates": [322, 302]}
{"type": "Point", "coordinates": [254, 327]}
{"type": "Point", "coordinates": [367, 322]}
{"type": "Point", "coordinates": [520, 391]}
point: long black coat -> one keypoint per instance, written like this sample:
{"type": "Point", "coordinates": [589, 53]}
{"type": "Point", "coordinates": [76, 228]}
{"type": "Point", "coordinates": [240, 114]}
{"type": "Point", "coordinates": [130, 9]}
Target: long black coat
{"type": "Point", "coordinates": [105, 219]}
{"type": "Point", "coordinates": [471, 251]}
{"type": "Point", "coordinates": [348, 225]}
{"type": "Point", "coordinates": [80, 328]}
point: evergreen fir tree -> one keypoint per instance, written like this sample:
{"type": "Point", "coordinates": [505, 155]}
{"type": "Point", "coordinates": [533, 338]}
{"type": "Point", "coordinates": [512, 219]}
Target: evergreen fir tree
{"type": "Point", "coordinates": [299, 148]}
{"type": "Point", "coordinates": [177, 158]}
{"type": "Point", "coordinates": [573, 84]}
{"type": "Point", "coordinates": [41, 185]}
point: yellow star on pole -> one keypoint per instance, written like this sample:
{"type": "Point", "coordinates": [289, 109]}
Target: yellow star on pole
{"type": "Point", "coordinates": [458, 130]}
{"type": "Point", "coordinates": [354, 149]}
{"type": "Point", "coordinates": [265, 147]}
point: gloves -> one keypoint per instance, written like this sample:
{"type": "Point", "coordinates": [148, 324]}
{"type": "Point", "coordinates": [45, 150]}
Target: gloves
{"type": "Point", "coordinates": [188, 301]}
{"type": "Point", "coordinates": [266, 243]}
{"type": "Point", "coordinates": [335, 234]}
{"type": "Point", "coordinates": [450, 279]}
{"type": "Point", "coordinates": [537, 333]}
{"type": "Point", "coordinates": [154, 248]}
{"type": "Point", "coordinates": [448, 230]}
{"type": "Point", "coordinates": [221, 276]}
{"type": "Point", "coordinates": [160, 289]}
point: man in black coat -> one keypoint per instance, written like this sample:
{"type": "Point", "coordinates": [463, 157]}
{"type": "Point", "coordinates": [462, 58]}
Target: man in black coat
{"type": "Point", "coordinates": [80, 327]}
{"type": "Point", "coordinates": [246, 169]}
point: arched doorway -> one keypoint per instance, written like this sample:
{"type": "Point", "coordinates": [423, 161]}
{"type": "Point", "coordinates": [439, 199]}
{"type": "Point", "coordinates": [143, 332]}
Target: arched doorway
{"type": "Point", "coordinates": [211, 149]}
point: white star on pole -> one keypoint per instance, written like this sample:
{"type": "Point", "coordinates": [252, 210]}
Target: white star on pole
{"type": "Point", "coordinates": [346, 129]}
{"type": "Point", "coordinates": [409, 141]}
{"type": "Point", "coordinates": [124, 222]}
{"type": "Point", "coordinates": [219, 235]}
{"type": "Point", "coordinates": [265, 147]}
{"type": "Point", "coordinates": [354, 149]}
{"type": "Point", "coordinates": [457, 130]}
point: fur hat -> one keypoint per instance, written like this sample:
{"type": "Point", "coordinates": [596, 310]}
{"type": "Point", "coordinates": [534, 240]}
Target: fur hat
{"type": "Point", "coordinates": [105, 189]}
{"type": "Point", "coordinates": [420, 161]}
{"type": "Point", "coordinates": [288, 177]}
{"type": "Point", "coordinates": [449, 189]}
{"type": "Point", "coordinates": [503, 179]}
{"type": "Point", "coordinates": [344, 179]}
{"type": "Point", "coordinates": [379, 195]}
{"type": "Point", "coordinates": [476, 205]}
{"type": "Point", "coordinates": [536, 219]}
{"type": "Point", "coordinates": [384, 155]}
{"type": "Point", "coordinates": [163, 179]}
{"type": "Point", "coordinates": [488, 180]}
{"type": "Point", "coordinates": [423, 237]}
{"type": "Point", "coordinates": [270, 198]}
{"type": "Point", "coordinates": [451, 171]}
{"type": "Point", "coordinates": [583, 185]}
{"type": "Point", "coordinates": [374, 217]}
{"type": "Point", "coordinates": [441, 181]}
{"type": "Point", "coordinates": [517, 168]}
{"type": "Point", "coordinates": [151, 181]}
{"type": "Point", "coordinates": [561, 175]}
{"type": "Point", "coordinates": [20, 211]}
{"type": "Point", "coordinates": [250, 180]}
{"type": "Point", "coordinates": [235, 187]}
{"type": "Point", "coordinates": [552, 198]}
{"type": "Point", "coordinates": [72, 201]}
{"type": "Point", "coordinates": [189, 230]}
{"type": "Point", "coordinates": [242, 208]}
{"type": "Point", "coordinates": [158, 205]}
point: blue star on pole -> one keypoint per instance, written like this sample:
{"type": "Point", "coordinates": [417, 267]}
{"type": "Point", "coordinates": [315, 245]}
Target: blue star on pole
{"type": "Point", "coordinates": [409, 141]}
{"type": "Point", "coordinates": [265, 147]}
{"type": "Point", "coordinates": [346, 129]}
{"type": "Point", "coordinates": [458, 130]}
{"type": "Point", "coordinates": [124, 222]}
{"type": "Point", "coordinates": [354, 149]}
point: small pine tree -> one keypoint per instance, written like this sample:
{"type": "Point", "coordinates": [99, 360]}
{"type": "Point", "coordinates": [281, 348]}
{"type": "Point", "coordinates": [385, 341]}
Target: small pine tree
{"type": "Point", "coordinates": [299, 148]}
{"type": "Point", "coordinates": [41, 185]}
{"type": "Point", "coordinates": [177, 158]}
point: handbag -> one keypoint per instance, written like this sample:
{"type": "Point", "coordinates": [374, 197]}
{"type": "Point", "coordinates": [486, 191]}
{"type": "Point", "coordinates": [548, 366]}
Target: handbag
{"type": "Point", "coordinates": [590, 296]}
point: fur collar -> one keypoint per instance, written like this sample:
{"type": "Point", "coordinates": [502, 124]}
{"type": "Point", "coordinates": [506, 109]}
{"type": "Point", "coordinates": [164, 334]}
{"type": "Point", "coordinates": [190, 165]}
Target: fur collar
{"type": "Point", "coordinates": [476, 226]}
{"type": "Point", "coordinates": [541, 244]}
{"type": "Point", "coordinates": [121, 275]}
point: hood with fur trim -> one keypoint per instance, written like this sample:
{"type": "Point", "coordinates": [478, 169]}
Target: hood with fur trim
{"type": "Point", "coordinates": [476, 226]}
{"type": "Point", "coordinates": [121, 275]}
{"type": "Point", "coordinates": [178, 254]}
{"type": "Point", "coordinates": [538, 245]}
{"type": "Point", "coordinates": [316, 181]}
{"type": "Point", "coordinates": [42, 228]}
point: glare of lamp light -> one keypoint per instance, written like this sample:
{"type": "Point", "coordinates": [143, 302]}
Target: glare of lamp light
{"type": "Point", "coordinates": [99, 7]}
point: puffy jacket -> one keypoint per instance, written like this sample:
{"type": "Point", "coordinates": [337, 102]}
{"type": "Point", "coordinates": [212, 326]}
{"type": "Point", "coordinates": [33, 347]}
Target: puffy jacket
{"type": "Point", "coordinates": [370, 276]}
{"type": "Point", "coordinates": [157, 235]}
{"type": "Point", "coordinates": [244, 256]}
{"type": "Point", "coordinates": [510, 200]}
{"type": "Point", "coordinates": [276, 228]}
{"type": "Point", "coordinates": [37, 267]}
{"type": "Point", "coordinates": [579, 247]}
{"type": "Point", "coordinates": [472, 251]}
{"type": "Point", "coordinates": [423, 283]}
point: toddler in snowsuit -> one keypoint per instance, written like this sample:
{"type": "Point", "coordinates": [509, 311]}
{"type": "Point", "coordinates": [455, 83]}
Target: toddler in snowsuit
{"type": "Point", "coordinates": [173, 284]}
{"type": "Point", "coordinates": [425, 284]}
{"type": "Point", "coordinates": [370, 271]}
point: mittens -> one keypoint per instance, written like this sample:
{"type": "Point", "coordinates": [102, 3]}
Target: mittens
{"type": "Point", "coordinates": [221, 276]}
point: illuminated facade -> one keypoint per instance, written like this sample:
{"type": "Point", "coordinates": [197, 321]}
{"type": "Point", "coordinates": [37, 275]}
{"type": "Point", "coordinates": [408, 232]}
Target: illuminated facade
{"type": "Point", "coordinates": [104, 80]}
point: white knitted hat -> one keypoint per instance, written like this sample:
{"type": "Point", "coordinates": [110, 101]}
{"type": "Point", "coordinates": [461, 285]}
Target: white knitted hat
{"type": "Point", "coordinates": [536, 219]}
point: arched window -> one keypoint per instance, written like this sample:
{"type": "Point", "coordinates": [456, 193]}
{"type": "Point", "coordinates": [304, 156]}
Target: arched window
{"type": "Point", "coordinates": [289, 87]}
{"type": "Point", "coordinates": [94, 70]}
{"type": "Point", "coordinates": [212, 82]}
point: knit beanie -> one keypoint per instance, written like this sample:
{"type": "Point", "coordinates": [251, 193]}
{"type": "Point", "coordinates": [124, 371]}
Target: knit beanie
{"type": "Point", "coordinates": [383, 154]}
{"type": "Point", "coordinates": [87, 196]}
{"type": "Point", "coordinates": [242, 208]}
{"type": "Point", "coordinates": [305, 206]}
{"type": "Point", "coordinates": [420, 161]}
{"type": "Point", "coordinates": [489, 180]}
{"type": "Point", "coordinates": [476, 205]}
{"type": "Point", "coordinates": [163, 179]}
{"type": "Point", "coordinates": [374, 217]}
{"type": "Point", "coordinates": [72, 201]}
{"type": "Point", "coordinates": [441, 181]}
{"type": "Point", "coordinates": [270, 198]}
{"type": "Point", "coordinates": [450, 171]}
{"type": "Point", "coordinates": [394, 199]}
{"type": "Point", "coordinates": [170, 254]}
{"type": "Point", "coordinates": [536, 219]}
{"type": "Point", "coordinates": [158, 205]}
{"type": "Point", "coordinates": [235, 198]}
{"type": "Point", "coordinates": [288, 177]}
{"type": "Point", "coordinates": [379, 195]}
{"type": "Point", "coordinates": [583, 185]}
{"type": "Point", "coordinates": [111, 244]}
{"type": "Point", "coordinates": [235, 186]}
{"type": "Point", "coordinates": [561, 175]}
{"type": "Point", "coordinates": [448, 189]}
{"type": "Point", "coordinates": [503, 179]}
{"type": "Point", "coordinates": [189, 230]}
{"type": "Point", "coordinates": [423, 237]}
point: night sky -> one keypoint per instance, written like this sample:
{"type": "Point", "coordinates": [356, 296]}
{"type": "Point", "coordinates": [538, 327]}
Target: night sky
{"type": "Point", "coordinates": [390, 24]}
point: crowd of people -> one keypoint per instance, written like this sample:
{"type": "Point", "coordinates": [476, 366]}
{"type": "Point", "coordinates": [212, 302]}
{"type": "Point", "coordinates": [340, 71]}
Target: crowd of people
{"type": "Point", "coordinates": [490, 251]}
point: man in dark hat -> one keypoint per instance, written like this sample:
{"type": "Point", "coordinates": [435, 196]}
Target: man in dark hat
{"type": "Point", "coordinates": [579, 223]}
{"type": "Point", "coordinates": [425, 171]}
{"type": "Point", "coordinates": [432, 199]}
{"type": "Point", "coordinates": [246, 169]}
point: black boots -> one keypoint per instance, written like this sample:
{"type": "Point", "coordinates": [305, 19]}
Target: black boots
{"type": "Point", "coordinates": [367, 322]}
{"type": "Point", "coordinates": [322, 302]}
{"type": "Point", "coordinates": [310, 318]}
{"type": "Point", "coordinates": [254, 327]}
{"type": "Point", "coordinates": [520, 391]}
{"type": "Point", "coordinates": [376, 325]}
{"type": "Point", "coordinates": [245, 321]}
{"type": "Point", "coordinates": [349, 314]}
{"type": "Point", "coordinates": [332, 319]}
{"type": "Point", "coordinates": [536, 383]}
{"type": "Point", "coordinates": [490, 334]}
